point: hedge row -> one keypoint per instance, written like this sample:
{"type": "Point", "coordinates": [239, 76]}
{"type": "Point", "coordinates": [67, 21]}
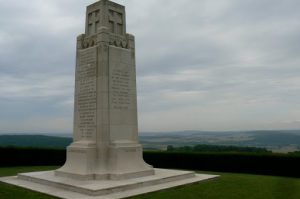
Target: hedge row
{"type": "Point", "coordinates": [10, 156]}
{"type": "Point", "coordinates": [255, 163]}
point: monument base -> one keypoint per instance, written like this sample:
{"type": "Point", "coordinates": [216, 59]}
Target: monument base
{"type": "Point", "coordinates": [81, 161]}
{"type": "Point", "coordinates": [47, 182]}
{"type": "Point", "coordinates": [124, 161]}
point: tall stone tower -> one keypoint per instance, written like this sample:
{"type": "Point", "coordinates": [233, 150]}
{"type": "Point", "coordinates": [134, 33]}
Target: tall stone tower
{"type": "Point", "coordinates": [105, 144]}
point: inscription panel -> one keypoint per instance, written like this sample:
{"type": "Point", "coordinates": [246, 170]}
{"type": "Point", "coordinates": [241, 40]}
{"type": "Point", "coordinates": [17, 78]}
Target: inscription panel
{"type": "Point", "coordinates": [122, 95]}
{"type": "Point", "coordinates": [85, 94]}
{"type": "Point", "coordinates": [122, 80]}
{"type": "Point", "coordinates": [120, 89]}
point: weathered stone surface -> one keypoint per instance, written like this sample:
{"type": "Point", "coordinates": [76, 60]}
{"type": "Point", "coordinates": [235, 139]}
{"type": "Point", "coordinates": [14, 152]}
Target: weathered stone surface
{"type": "Point", "coordinates": [105, 112]}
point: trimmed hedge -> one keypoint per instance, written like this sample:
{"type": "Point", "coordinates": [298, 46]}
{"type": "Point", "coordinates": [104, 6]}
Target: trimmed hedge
{"type": "Point", "coordinates": [11, 156]}
{"type": "Point", "coordinates": [254, 163]}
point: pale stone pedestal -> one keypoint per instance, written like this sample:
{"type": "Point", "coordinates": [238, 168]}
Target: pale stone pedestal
{"type": "Point", "coordinates": [124, 162]}
{"type": "Point", "coordinates": [46, 182]}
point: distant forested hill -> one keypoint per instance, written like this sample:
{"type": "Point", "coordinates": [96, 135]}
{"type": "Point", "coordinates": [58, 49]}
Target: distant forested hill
{"type": "Point", "coordinates": [216, 148]}
{"type": "Point", "coordinates": [277, 141]}
{"type": "Point", "coordinates": [39, 141]}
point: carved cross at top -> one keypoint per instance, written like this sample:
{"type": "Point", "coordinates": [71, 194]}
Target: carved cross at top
{"type": "Point", "coordinates": [116, 22]}
{"type": "Point", "coordinates": [93, 22]}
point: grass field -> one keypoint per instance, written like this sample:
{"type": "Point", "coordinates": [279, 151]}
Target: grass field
{"type": "Point", "coordinates": [228, 186]}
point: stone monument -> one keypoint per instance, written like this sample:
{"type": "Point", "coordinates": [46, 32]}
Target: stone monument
{"type": "Point", "coordinates": [105, 112]}
{"type": "Point", "coordinates": [105, 159]}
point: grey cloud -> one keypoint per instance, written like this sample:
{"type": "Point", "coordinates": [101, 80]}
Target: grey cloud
{"type": "Point", "coordinates": [211, 65]}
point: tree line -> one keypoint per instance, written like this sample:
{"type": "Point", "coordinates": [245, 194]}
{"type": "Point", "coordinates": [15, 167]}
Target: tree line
{"type": "Point", "coordinates": [216, 148]}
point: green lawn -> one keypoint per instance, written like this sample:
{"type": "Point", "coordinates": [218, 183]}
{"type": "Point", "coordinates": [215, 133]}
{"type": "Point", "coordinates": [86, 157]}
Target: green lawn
{"type": "Point", "coordinates": [13, 192]}
{"type": "Point", "coordinates": [228, 186]}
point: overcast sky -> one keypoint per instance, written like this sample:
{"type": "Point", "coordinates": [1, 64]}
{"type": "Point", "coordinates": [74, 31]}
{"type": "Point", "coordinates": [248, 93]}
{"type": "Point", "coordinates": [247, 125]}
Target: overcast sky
{"type": "Point", "coordinates": [201, 64]}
